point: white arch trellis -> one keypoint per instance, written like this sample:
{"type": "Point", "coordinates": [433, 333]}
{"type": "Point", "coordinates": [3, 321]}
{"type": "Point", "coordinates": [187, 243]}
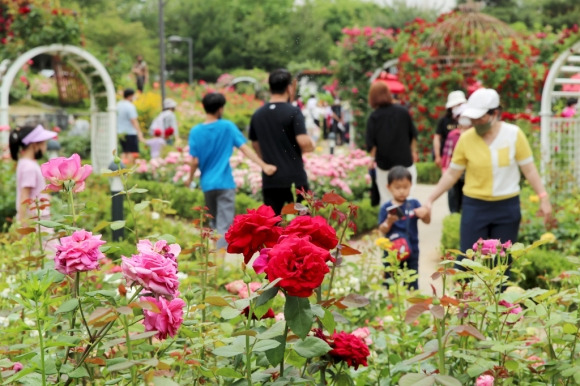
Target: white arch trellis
{"type": "Point", "coordinates": [560, 137]}
{"type": "Point", "coordinates": [103, 123]}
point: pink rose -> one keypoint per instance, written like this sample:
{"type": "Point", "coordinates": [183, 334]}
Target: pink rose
{"type": "Point", "coordinates": [169, 251]}
{"type": "Point", "coordinates": [153, 271]}
{"type": "Point", "coordinates": [484, 380]}
{"type": "Point", "coordinates": [536, 361]}
{"type": "Point", "coordinates": [17, 366]}
{"type": "Point", "coordinates": [261, 261]}
{"type": "Point", "coordinates": [78, 252]}
{"type": "Point", "coordinates": [4, 128]}
{"type": "Point", "coordinates": [235, 286]}
{"type": "Point", "coordinates": [66, 173]}
{"type": "Point", "coordinates": [169, 318]}
{"type": "Point", "coordinates": [364, 333]}
{"type": "Point", "coordinates": [513, 308]}
{"type": "Point", "coordinates": [487, 247]}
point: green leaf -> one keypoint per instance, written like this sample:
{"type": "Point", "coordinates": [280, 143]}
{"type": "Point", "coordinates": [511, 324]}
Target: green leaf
{"type": "Point", "coordinates": [413, 379]}
{"type": "Point", "coordinates": [68, 306]}
{"type": "Point", "coordinates": [79, 373]}
{"type": "Point", "coordinates": [115, 225]}
{"type": "Point", "coordinates": [100, 225]}
{"type": "Point", "coordinates": [229, 313]}
{"type": "Point", "coordinates": [135, 189]}
{"type": "Point", "coordinates": [121, 365]}
{"type": "Point", "coordinates": [446, 380]}
{"type": "Point", "coordinates": [162, 381]}
{"type": "Point", "coordinates": [343, 379]}
{"type": "Point", "coordinates": [216, 301]}
{"type": "Point", "coordinates": [228, 373]}
{"type": "Point", "coordinates": [512, 365]}
{"type": "Point", "coordinates": [169, 238]}
{"type": "Point", "coordinates": [50, 224]}
{"type": "Point", "coordinates": [142, 205]}
{"type": "Point", "coordinates": [276, 355]}
{"type": "Point", "coordinates": [274, 331]}
{"type": "Point", "coordinates": [228, 351]}
{"type": "Point", "coordinates": [298, 315]}
{"type": "Point", "coordinates": [569, 328]}
{"type": "Point", "coordinates": [266, 295]}
{"type": "Point", "coordinates": [116, 381]}
{"type": "Point", "coordinates": [311, 347]}
{"type": "Point", "coordinates": [265, 345]}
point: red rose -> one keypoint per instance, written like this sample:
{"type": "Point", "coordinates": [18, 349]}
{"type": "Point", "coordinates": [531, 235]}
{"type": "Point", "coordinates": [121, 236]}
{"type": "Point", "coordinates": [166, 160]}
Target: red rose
{"type": "Point", "coordinates": [251, 232]}
{"type": "Point", "coordinates": [349, 348]}
{"type": "Point", "coordinates": [169, 132]}
{"type": "Point", "coordinates": [268, 315]}
{"type": "Point", "coordinates": [300, 264]}
{"type": "Point", "coordinates": [321, 234]}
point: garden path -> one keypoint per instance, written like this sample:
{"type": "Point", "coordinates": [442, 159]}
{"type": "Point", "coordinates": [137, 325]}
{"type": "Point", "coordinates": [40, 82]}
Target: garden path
{"type": "Point", "coordinates": [429, 241]}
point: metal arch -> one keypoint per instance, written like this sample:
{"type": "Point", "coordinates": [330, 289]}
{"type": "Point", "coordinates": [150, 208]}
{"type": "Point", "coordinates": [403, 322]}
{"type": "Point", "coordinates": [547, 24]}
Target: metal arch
{"type": "Point", "coordinates": [546, 106]}
{"type": "Point", "coordinates": [101, 71]}
{"type": "Point", "coordinates": [248, 79]}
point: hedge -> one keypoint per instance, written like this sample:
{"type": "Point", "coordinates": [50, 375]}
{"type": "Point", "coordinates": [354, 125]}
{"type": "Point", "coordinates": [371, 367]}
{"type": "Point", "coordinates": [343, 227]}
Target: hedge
{"type": "Point", "coordinates": [428, 173]}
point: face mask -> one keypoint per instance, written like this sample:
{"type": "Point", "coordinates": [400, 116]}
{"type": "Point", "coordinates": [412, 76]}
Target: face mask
{"type": "Point", "coordinates": [455, 110]}
{"type": "Point", "coordinates": [38, 154]}
{"type": "Point", "coordinates": [464, 121]}
{"type": "Point", "coordinates": [483, 128]}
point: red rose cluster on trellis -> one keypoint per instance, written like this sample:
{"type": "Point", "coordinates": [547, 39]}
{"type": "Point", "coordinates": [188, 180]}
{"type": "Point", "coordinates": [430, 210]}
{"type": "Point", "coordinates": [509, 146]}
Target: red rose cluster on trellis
{"type": "Point", "coordinates": [25, 24]}
{"type": "Point", "coordinates": [517, 70]}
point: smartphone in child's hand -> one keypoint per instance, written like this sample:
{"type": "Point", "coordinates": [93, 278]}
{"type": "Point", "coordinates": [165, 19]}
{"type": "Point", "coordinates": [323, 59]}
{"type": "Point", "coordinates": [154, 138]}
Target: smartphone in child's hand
{"type": "Point", "coordinates": [396, 210]}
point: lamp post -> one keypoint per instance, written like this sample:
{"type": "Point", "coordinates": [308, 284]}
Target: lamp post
{"type": "Point", "coordinates": [116, 186]}
{"type": "Point", "coordinates": [162, 50]}
{"type": "Point", "coordinates": [177, 39]}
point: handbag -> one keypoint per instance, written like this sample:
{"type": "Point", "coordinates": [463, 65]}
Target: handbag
{"type": "Point", "coordinates": [400, 242]}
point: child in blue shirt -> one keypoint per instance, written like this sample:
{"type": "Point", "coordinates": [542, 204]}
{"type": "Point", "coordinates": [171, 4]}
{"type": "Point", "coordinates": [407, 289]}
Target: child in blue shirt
{"type": "Point", "coordinates": [399, 182]}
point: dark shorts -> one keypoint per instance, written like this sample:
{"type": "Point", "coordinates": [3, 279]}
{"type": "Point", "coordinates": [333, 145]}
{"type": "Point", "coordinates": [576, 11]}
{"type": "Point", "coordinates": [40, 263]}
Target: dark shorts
{"type": "Point", "coordinates": [129, 143]}
{"type": "Point", "coordinates": [278, 197]}
{"type": "Point", "coordinates": [140, 82]}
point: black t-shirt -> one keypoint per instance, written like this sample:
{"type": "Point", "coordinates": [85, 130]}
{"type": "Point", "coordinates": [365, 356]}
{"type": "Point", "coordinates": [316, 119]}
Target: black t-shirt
{"type": "Point", "coordinates": [391, 129]}
{"type": "Point", "coordinates": [444, 126]}
{"type": "Point", "coordinates": [275, 127]}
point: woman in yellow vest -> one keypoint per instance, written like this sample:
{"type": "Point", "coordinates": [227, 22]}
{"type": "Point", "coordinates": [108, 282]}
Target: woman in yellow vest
{"type": "Point", "coordinates": [491, 154]}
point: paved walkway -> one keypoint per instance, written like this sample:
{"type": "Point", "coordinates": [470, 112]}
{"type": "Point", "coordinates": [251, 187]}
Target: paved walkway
{"type": "Point", "coordinates": [429, 241]}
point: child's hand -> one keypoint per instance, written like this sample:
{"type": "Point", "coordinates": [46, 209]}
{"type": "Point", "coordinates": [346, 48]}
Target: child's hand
{"type": "Point", "coordinates": [392, 218]}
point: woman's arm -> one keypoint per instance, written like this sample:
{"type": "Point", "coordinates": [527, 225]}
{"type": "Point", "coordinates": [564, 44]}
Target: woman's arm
{"type": "Point", "coordinates": [447, 180]}
{"type": "Point", "coordinates": [532, 175]}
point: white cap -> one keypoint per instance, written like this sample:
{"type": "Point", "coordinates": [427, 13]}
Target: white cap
{"type": "Point", "coordinates": [169, 103]}
{"type": "Point", "coordinates": [455, 98]}
{"type": "Point", "coordinates": [480, 102]}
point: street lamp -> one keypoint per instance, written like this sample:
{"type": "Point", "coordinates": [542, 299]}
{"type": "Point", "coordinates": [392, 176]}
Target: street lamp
{"type": "Point", "coordinates": [178, 39]}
